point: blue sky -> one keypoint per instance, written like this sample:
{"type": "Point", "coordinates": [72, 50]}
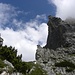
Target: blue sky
{"type": "Point", "coordinates": [32, 7]}
{"type": "Point", "coordinates": [23, 23]}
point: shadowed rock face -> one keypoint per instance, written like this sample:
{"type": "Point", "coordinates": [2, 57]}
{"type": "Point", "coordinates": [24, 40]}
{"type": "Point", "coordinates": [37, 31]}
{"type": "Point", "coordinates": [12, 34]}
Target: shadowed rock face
{"type": "Point", "coordinates": [57, 30]}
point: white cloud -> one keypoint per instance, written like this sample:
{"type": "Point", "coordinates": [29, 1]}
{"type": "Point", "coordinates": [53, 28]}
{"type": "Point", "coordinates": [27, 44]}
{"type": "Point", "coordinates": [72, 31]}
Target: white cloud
{"type": "Point", "coordinates": [64, 8]}
{"type": "Point", "coordinates": [41, 17]}
{"type": "Point", "coordinates": [5, 13]}
{"type": "Point", "coordinates": [23, 39]}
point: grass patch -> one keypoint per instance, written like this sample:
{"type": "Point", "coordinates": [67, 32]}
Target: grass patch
{"type": "Point", "coordinates": [37, 69]}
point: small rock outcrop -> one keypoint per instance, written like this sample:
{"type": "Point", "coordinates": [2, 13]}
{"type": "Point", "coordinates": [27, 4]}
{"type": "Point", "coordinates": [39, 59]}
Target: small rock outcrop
{"type": "Point", "coordinates": [57, 57]}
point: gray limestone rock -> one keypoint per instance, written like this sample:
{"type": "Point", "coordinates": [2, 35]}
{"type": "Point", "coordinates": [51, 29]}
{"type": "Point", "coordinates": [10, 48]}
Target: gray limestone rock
{"type": "Point", "coordinates": [57, 57]}
{"type": "Point", "coordinates": [57, 33]}
{"type": "Point", "coordinates": [57, 62]}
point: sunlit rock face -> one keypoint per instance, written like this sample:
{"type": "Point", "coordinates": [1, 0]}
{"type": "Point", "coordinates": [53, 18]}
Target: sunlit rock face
{"type": "Point", "coordinates": [57, 57]}
{"type": "Point", "coordinates": [57, 62]}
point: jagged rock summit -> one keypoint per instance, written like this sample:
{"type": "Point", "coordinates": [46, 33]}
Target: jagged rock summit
{"type": "Point", "coordinates": [57, 57]}
{"type": "Point", "coordinates": [57, 30]}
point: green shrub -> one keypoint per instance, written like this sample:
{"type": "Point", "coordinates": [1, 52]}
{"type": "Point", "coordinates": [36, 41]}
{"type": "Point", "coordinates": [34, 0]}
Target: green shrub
{"type": "Point", "coordinates": [65, 64]}
{"type": "Point", "coordinates": [2, 65]}
{"type": "Point", "coordinates": [69, 70]}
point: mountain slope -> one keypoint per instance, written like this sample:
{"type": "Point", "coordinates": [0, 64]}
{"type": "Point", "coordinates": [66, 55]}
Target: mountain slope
{"type": "Point", "coordinates": [57, 57]}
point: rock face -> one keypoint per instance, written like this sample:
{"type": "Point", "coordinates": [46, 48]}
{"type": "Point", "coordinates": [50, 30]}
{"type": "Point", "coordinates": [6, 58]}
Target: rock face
{"type": "Point", "coordinates": [57, 33]}
{"type": "Point", "coordinates": [58, 56]}
{"type": "Point", "coordinates": [57, 62]}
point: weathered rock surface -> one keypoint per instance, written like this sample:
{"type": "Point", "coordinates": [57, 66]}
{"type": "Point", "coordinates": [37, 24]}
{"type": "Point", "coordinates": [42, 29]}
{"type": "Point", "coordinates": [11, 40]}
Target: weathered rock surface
{"type": "Point", "coordinates": [57, 30]}
{"type": "Point", "coordinates": [58, 56]}
{"type": "Point", "coordinates": [57, 62]}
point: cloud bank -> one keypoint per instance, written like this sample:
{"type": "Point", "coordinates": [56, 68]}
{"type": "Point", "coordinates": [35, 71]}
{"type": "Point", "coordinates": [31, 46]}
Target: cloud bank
{"type": "Point", "coordinates": [23, 36]}
{"type": "Point", "coordinates": [64, 8]}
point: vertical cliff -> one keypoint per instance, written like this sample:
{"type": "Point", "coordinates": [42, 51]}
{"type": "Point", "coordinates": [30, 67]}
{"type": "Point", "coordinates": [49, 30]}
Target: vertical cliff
{"type": "Point", "coordinates": [57, 30]}
{"type": "Point", "coordinates": [57, 57]}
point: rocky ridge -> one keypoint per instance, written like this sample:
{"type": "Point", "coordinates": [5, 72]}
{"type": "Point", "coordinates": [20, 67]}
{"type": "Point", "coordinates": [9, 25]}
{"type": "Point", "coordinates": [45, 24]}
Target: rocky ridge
{"type": "Point", "coordinates": [57, 57]}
